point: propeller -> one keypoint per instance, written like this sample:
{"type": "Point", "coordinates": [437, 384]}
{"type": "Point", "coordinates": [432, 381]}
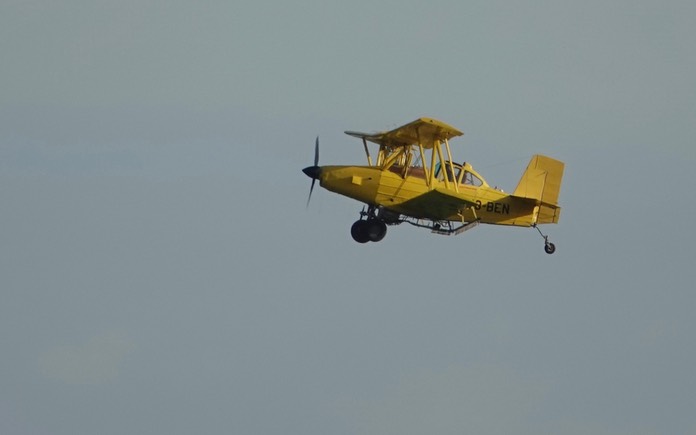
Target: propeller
{"type": "Point", "coordinates": [313, 172]}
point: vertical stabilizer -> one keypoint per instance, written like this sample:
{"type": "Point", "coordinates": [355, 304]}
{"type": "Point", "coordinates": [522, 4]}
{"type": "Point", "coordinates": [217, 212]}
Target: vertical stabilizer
{"type": "Point", "coordinates": [542, 182]}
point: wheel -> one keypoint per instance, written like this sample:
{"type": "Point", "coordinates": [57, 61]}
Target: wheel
{"type": "Point", "coordinates": [359, 232]}
{"type": "Point", "coordinates": [550, 248]}
{"type": "Point", "coordinates": [376, 230]}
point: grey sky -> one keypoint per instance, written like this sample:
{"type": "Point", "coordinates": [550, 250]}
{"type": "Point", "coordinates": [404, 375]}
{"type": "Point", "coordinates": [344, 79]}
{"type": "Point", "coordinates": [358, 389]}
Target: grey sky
{"type": "Point", "coordinates": [160, 274]}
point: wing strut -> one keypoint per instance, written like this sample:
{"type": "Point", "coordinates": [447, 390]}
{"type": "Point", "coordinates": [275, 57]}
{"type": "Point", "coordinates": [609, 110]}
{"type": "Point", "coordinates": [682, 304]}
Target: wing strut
{"type": "Point", "coordinates": [367, 151]}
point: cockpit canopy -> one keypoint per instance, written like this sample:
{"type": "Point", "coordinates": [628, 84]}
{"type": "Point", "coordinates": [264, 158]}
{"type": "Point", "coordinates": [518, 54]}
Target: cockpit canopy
{"type": "Point", "coordinates": [463, 174]}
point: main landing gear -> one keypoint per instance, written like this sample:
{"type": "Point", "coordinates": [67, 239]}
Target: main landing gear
{"type": "Point", "coordinates": [369, 228]}
{"type": "Point", "coordinates": [549, 247]}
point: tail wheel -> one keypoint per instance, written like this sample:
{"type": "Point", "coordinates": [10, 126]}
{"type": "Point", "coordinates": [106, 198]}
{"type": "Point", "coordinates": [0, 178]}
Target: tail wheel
{"type": "Point", "coordinates": [550, 248]}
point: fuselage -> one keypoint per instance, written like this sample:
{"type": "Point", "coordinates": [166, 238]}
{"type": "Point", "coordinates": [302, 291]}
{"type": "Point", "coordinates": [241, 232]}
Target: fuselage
{"type": "Point", "coordinates": [403, 190]}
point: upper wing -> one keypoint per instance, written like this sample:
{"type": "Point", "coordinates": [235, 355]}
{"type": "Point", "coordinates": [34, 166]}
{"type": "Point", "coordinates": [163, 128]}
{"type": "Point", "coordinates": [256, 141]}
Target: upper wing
{"type": "Point", "coordinates": [437, 204]}
{"type": "Point", "coordinates": [424, 131]}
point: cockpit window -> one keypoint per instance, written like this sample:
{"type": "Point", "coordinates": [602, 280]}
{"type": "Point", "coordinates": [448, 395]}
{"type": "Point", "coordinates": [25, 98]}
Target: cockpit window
{"type": "Point", "coordinates": [460, 174]}
{"type": "Point", "coordinates": [440, 174]}
{"type": "Point", "coordinates": [471, 179]}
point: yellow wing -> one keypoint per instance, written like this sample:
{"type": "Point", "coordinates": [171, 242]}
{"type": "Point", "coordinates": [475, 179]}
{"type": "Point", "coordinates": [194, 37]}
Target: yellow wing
{"type": "Point", "coordinates": [424, 131]}
{"type": "Point", "coordinates": [437, 204]}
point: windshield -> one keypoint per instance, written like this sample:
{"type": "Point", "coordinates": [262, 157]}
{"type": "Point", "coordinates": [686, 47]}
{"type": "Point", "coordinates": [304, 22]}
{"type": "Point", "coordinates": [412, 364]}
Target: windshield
{"type": "Point", "coordinates": [471, 179]}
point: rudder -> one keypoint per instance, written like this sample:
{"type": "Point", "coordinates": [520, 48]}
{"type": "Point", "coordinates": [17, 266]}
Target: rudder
{"type": "Point", "coordinates": [542, 181]}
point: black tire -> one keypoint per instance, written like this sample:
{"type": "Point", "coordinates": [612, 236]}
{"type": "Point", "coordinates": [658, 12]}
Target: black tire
{"type": "Point", "coordinates": [376, 230]}
{"type": "Point", "coordinates": [550, 248]}
{"type": "Point", "coordinates": [359, 232]}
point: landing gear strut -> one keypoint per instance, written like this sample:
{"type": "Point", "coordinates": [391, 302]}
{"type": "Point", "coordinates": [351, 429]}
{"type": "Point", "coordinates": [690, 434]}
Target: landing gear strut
{"type": "Point", "coordinates": [371, 229]}
{"type": "Point", "coordinates": [549, 247]}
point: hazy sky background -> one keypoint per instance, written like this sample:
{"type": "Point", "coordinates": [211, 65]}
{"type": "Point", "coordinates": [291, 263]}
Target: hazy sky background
{"type": "Point", "coordinates": [159, 272]}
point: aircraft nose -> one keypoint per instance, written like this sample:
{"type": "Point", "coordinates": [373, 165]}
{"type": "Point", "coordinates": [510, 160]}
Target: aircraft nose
{"type": "Point", "coordinates": [312, 172]}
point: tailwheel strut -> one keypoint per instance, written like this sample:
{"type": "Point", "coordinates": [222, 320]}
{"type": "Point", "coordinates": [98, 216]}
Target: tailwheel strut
{"type": "Point", "coordinates": [549, 247]}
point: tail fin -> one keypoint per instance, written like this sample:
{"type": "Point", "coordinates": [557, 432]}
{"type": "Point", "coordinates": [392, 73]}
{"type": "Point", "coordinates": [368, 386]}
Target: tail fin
{"type": "Point", "coordinates": [542, 182]}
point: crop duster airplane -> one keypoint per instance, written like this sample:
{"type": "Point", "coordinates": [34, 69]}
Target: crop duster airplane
{"type": "Point", "coordinates": [414, 179]}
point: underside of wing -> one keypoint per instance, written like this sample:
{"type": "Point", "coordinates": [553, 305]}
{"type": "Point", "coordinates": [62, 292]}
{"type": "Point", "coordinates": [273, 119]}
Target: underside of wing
{"type": "Point", "coordinates": [423, 131]}
{"type": "Point", "coordinates": [437, 204]}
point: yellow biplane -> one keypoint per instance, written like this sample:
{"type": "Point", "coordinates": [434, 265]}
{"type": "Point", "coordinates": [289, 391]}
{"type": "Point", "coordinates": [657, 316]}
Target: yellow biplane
{"type": "Point", "coordinates": [414, 180]}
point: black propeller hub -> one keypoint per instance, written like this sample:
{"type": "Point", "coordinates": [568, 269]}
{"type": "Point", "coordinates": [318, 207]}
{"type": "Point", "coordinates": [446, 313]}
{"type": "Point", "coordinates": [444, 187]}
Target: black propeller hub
{"type": "Point", "coordinates": [312, 172]}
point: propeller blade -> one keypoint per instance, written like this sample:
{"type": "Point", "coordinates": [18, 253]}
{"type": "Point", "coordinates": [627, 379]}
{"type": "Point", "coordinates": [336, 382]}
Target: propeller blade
{"type": "Point", "coordinates": [313, 171]}
{"type": "Point", "coordinates": [316, 152]}
{"type": "Point", "coordinates": [310, 192]}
